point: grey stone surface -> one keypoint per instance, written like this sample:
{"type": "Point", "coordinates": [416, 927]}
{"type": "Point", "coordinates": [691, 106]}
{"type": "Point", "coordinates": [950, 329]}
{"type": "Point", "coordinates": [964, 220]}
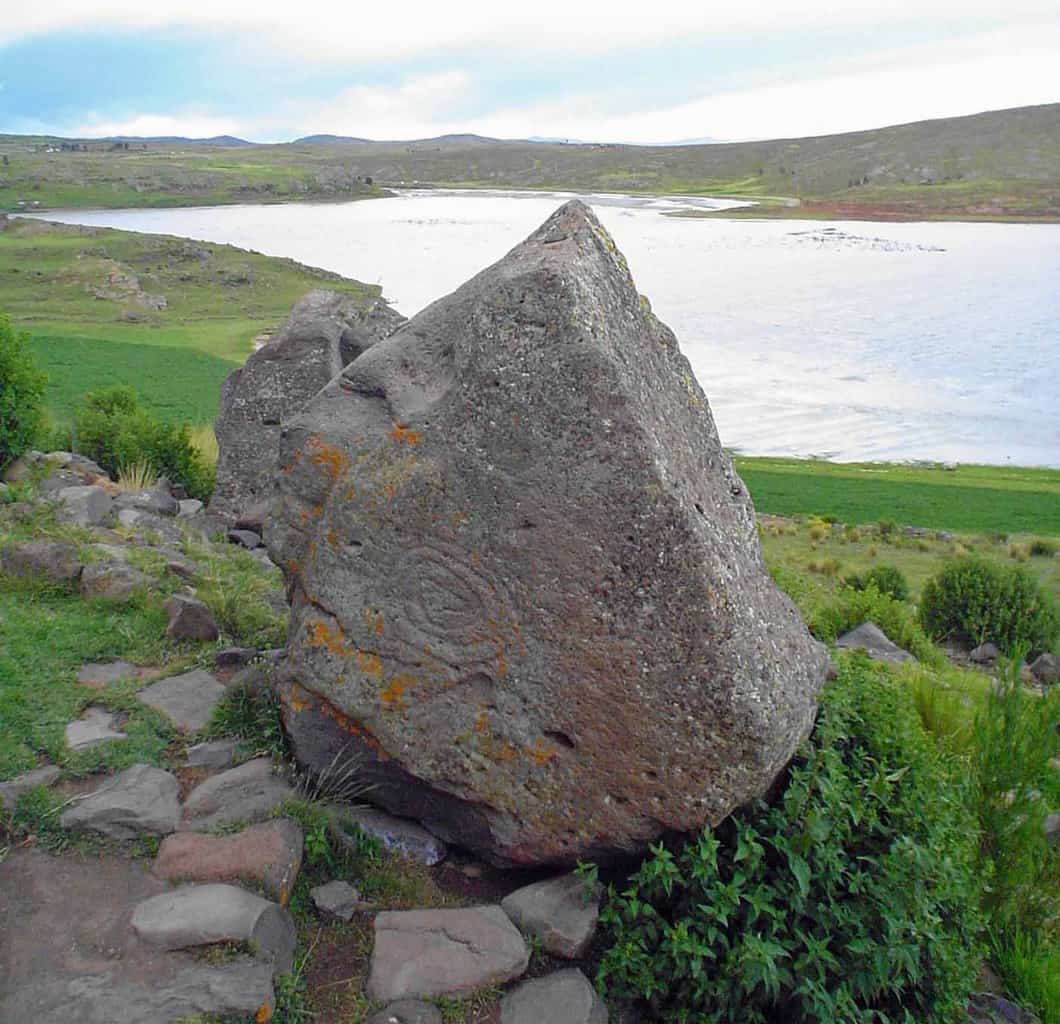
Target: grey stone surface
{"type": "Point", "coordinates": [1052, 828]}
{"type": "Point", "coordinates": [247, 793]}
{"type": "Point", "coordinates": [54, 560]}
{"type": "Point", "coordinates": [558, 912]}
{"type": "Point", "coordinates": [12, 789]}
{"type": "Point", "coordinates": [430, 953]}
{"type": "Point", "coordinates": [96, 725]}
{"type": "Point", "coordinates": [85, 505]}
{"type": "Point", "coordinates": [186, 700]}
{"type": "Point", "coordinates": [868, 637]}
{"type": "Point", "coordinates": [234, 657]}
{"type": "Point", "coordinates": [190, 619]}
{"type": "Point", "coordinates": [1046, 669]}
{"type": "Point", "coordinates": [399, 835]}
{"type": "Point", "coordinates": [157, 500]}
{"type": "Point", "coordinates": [142, 799]}
{"type": "Point", "coordinates": [200, 915]}
{"type": "Point", "coordinates": [245, 538]}
{"type": "Point", "coordinates": [181, 569]}
{"type": "Point", "coordinates": [526, 584]}
{"type": "Point", "coordinates": [564, 997]}
{"type": "Point", "coordinates": [324, 332]}
{"type": "Point", "coordinates": [408, 1011]}
{"type": "Point", "coordinates": [985, 654]}
{"type": "Point", "coordinates": [214, 754]}
{"type": "Point", "coordinates": [336, 899]}
{"type": "Point", "coordinates": [112, 581]}
{"type": "Point", "coordinates": [989, 1008]}
{"type": "Point", "coordinates": [189, 507]}
{"type": "Point", "coordinates": [101, 674]}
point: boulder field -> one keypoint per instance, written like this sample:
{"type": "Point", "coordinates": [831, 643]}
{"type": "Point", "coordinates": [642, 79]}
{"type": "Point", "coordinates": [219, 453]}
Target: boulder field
{"type": "Point", "coordinates": [526, 588]}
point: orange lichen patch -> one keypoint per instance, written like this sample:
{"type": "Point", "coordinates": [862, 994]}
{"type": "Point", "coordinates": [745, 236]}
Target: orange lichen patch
{"type": "Point", "coordinates": [264, 1014]}
{"type": "Point", "coordinates": [369, 663]}
{"type": "Point", "coordinates": [312, 512]}
{"type": "Point", "coordinates": [351, 494]}
{"type": "Point", "coordinates": [482, 723]}
{"type": "Point", "coordinates": [390, 492]}
{"type": "Point", "coordinates": [333, 460]}
{"type": "Point", "coordinates": [402, 432]}
{"type": "Point", "coordinates": [393, 694]}
{"type": "Point", "coordinates": [502, 662]}
{"type": "Point", "coordinates": [332, 538]}
{"type": "Point", "coordinates": [292, 465]}
{"type": "Point", "coordinates": [542, 751]}
{"type": "Point", "coordinates": [297, 700]}
{"type": "Point", "coordinates": [322, 635]}
{"type": "Point", "coordinates": [373, 620]}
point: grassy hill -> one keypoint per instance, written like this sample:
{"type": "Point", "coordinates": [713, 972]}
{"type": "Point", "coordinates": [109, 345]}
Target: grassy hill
{"type": "Point", "coordinates": [997, 165]}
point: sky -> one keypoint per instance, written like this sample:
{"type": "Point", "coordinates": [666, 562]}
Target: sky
{"type": "Point", "coordinates": [651, 72]}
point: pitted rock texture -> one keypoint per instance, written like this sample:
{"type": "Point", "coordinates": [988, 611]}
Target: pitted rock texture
{"type": "Point", "coordinates": [526, 585]}
{"type": "Point", "coordinates": [325, 331]}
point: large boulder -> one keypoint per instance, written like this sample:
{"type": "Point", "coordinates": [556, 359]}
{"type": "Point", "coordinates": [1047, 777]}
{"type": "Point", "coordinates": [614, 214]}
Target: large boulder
{"type": "Point", "coordinates": [325, 331]}
{"type": "Point", "coordinates": [526, 586]}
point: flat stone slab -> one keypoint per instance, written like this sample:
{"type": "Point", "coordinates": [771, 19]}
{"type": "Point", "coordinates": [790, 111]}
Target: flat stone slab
{"type": "Point", "coordinates": [558, 913]}
{"type": "Point", "coordinates": [869, 638]}
{"type": "Point", "coordinates": [430, 953]}
{"type": "Point", "coordinates": [214, 754]}
{"type": "Point", "coordinates": [11, 790]}
{"type": "Point", "coordinates": [96, 725]}
{"type": "Point", "coordinates": [55, 560]}
{"type": "Point", "coordinates": [85, 506]}
{"type": "Point", "coordinates": [186, 700]}
{"type": "Point", "coordinates": [399, 835]}
{"type": "Point", "coordinates": [565, 997]}
{"type": "Point", "coordinates": [200, 915]}
{"type": "Point", "coordinates": [269, 854]}
{"type": "Point", "coordinates": [112, 581]}
{"type": "Point", "coordinates": [100, 674]}
{"type": "Point", "coordinates": [142, 799]}
{"type": "Point", "coordinates": [407, 1011]}
{"type": "Point", "coordinates": [336, 899]}
{"type": "Point", "coordinates": [247, 793]}
{"type": "Point", "coordinates": [189, 619]}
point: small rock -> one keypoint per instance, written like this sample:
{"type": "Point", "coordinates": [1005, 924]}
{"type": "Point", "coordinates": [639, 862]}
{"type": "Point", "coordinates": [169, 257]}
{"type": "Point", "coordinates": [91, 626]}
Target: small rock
{"type": "Point", "coordinates": [214, 755]}
{"type": "Point", "coordinates": [94, 726]}
{"type": "Point", "coordinates": [234, 657]}
{"type": "Point", "coordinates": [869, 638]}
{"type": "Point", "coordinates": [189, 507]}
{"type": "Point", "coordinates": [430, 953]}
{"type": "Point", "coordinates": [54, 560]}
{"type": "Point", "coordinates": [200, 915]}
{"type": "Point", "coordinates": [181, 570]}
{"type": "Point", "coordinates": [407, 1011]}
{"type": "Point", "coordinates": [1052, 828]}
{"type": "Point", "coordinates": [85, 506]}
{"type": "Point", "coordinates": [245, 538]}
{"type": "Point", "coordinates": [190, 619]}
{"type": "Point", "coordinates": [11, 790]}
{"type": "Point", "coordinates": [156, 500]}
{"type": "Point", "coordinates": [558, 913]}
{"type": "Point", "coordinates": [141, 799]}
{"type": "Point", "coordinates": [564, 997]}
{"type": "Point", "coordinates": [985, 654]}
{"type": "Point", "coordinates": [987, 1008]}
{"type": "Point", "coordinates": [22, 468]}
{"type": "Point", "coordinates": [471, 870]}
{"type": "Point", "coordinates": [943, 535]}
{"type": "Point", "coordinates": [399, 835]}
{"type": "Point", "coordinates": [186, 700]}
{"type": "Point", "coordinates": [98, 675]}
{"type": "Point", "coordinates": [336, 899]}
{"type": "Point", "coordinates": [112, 581]}
{"type": "Point", "coordinates": [269, 854]}
{"type": "Point", "coordinates": [247, 793]}
{"type": "Point", "coordinates": [253, 517]}
{"type": "Point", "coordinates": [1046, 669]}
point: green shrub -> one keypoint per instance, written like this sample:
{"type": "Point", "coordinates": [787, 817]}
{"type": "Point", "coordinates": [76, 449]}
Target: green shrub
{"type": "Point", "coordinates": [21, 395]}
{"type": "Point", "coordinates": [887, 579]}
{"type": "Point", "coordinates": [976, 601]}
{"type": "Point", "coordinates": [1041, 547]}
{"type": "Point", "coordinates": [112, 428]}
{"type": "Point", "coordinates": [853, 898]}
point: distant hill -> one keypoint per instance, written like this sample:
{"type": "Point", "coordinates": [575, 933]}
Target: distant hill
{"type": "Point", "coordinates": [326, 140]}
{"type": "Point", "coordinates": [215, 140]}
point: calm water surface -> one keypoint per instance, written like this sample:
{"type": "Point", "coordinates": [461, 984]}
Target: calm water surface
{"type": "Point", "coordinates": [846, 340]}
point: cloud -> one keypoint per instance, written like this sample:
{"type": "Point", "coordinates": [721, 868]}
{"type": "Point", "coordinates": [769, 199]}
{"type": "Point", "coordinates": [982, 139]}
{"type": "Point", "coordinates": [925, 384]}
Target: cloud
{"type": "Point", "coordinates": [190, 125]}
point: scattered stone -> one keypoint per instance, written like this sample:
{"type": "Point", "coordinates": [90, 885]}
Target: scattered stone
{"type": "Point", "coordinates": [85, 506]}
{"type": "Point", "coordinates": [336, 899]}
{"type": "Point", "coordinates": [253, 517]}
{"type": "Point", "coordinates": [156, 500]}
{"type": "Point", "coordinates": [200, 915]}
{"type": "Point", "coordinates": [245, 538]}
{"type": "Point", "coordinates": [247, 793]}
{"type": "Point", "coordinates": [564, 997]}
{"type": "Point", "coordinates": [234, 657]}
{"type": "Point", "coordinates": [430, 953]}
{"type": "Point", "coordinates": [112, 581]}
{"type": "Point", "coordinates": [943, 535]}
{"type": "Point", "coordinates": [1052, 828]}
{"type": "Point", "coordinates": [11, 790]}
{"type": "Point", "coordinates": [112, 552]}
{"type": "Point", "coordinates": [987, 1008]}
{"type": "Point", "coordinates": [142, 799]}
{"type": "Point", "coordinates": [407, 1011]}
{"type": "Point", "coordinates": [557, 912]}
{"type": "Point", "coordinates": [325, 331]}
{"type": "Point", "coordinates": [869, 638]}
{"type": "Point", "coordinates": [521, 566]}
{"type": "Point", "coordinates": [189, 507]}
{"type": "Point", "coordinates": [181, 570]}
{"type": "Point", "coordinates": [190, 619]}
{"type": "Point", "coordinates": [214, 755]}
{"type": "Point", "coordinates": [399, 835]}
{"type": "Point", "coordinates": [147, 523]}
{"type": "Point", "coordinates": [99, 675]}
{"type": "Point", "coordinates": [23, 467]}
{"type": "Point", "coordinates": [1046, 669]}
{"type": "Point", "coordinates": [96, 725]}
{"type": "Point", "coordinates": [53, 560]}
{"type": "Point", "coordinates": [985, 654]}
{"type": "Point", "coordinates": [4, 490]}
{"type": "Point", "coordinates": [186, 700]}
{"type": "Point", "coordinates": [57, 480]}
{"type": "Point", "coordinates": [269, 854]}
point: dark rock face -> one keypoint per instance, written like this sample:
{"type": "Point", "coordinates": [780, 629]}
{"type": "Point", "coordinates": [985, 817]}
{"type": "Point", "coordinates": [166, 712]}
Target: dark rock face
{"type": "Point", "coordinates": [325, 331]}
{"type": "Point", "coordinates": [525, 580]}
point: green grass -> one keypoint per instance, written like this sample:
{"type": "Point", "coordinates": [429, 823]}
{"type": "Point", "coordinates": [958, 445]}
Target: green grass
{"type": "Point", "coordinates": [974, 498]}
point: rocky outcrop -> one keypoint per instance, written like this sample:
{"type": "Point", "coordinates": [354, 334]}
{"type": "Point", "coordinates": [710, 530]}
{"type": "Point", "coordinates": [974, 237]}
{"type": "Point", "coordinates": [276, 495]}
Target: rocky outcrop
{"type": "Point", "coordinates": [325, 331]}
{"type": "Point", "coordinates": [526, 585]}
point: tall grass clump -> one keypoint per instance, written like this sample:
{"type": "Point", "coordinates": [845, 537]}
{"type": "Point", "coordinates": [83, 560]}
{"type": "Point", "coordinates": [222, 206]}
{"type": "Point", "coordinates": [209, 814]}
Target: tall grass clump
{"type": "Point", "coordinates": [21, 395]}
{"type": "Point", "coordinates": [853, 897]}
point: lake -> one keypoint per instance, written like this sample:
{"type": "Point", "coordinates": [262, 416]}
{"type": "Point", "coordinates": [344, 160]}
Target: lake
{"type": "Point", "coordinates": [852, 341]}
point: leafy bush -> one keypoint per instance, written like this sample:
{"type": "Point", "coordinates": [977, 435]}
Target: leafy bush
{"type": "Point", "coordinates": [117, 432]}
{"type": "Point", "coordinates": [975, 601]}
{"type": "Point", "coordinates": [21, 395]}
{"type": "Point", "coordinates": [887, 579]}
{"type": "Point", "coordinates": [1041, 547]}
{"type": "Point", "coordinates": [853, 898]}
